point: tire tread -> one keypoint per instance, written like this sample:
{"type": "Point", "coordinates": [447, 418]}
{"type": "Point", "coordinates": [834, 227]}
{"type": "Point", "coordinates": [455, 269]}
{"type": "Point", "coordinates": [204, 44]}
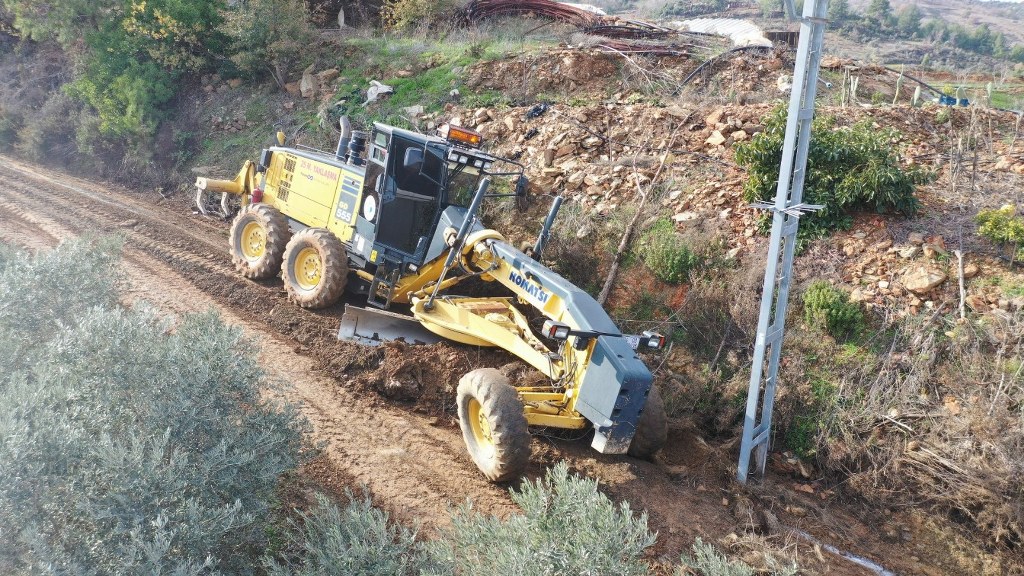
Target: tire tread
{"type": "Point", "coordinates": [335, 268]}
{"type": "Point", "coordinates": [501, 403]}
{"type": "Point", "coordinates": [278, 235]}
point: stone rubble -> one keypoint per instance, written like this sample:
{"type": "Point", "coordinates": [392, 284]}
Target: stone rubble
{"type": "Point", "coordinates": [602, 155]}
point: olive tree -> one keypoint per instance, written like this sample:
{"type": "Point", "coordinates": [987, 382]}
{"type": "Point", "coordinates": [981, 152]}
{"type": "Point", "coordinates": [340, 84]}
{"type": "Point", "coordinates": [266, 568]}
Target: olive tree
{"type": "Point", "coordinates": [129, 444]}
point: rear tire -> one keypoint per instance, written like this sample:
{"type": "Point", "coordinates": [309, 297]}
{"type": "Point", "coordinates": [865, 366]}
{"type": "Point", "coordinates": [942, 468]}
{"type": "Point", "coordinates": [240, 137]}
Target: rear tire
{"type": "Point", "coordinates": [258, 237]}
{"type": "Point", "coordinates": [315, 268]}
{"type": "Point", "coordinates": [493, 424]}
{"type": "Point", "coordinates": [651, 429]}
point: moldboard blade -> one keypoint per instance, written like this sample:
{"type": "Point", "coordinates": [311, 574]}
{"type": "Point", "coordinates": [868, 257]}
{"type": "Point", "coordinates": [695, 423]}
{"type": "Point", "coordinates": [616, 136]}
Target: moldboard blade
{"type": "Point", "coordinates": [374, 327]}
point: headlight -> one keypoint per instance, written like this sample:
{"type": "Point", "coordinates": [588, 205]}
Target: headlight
{"type": "Point", "coordinates": [555, 330]}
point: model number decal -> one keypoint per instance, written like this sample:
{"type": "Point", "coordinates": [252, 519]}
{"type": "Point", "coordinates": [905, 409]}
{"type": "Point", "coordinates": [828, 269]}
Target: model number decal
{"type": "Point", "coordinates": [532, 289]}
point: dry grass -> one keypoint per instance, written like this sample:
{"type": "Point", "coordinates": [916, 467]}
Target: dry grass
{"type": "Point", "coordinates": [931, 417]}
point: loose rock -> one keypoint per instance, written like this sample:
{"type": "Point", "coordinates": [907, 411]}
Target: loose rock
{"type": "Point", "coordinates": [923, 279]}
{"type": "Point", "coordinates": [308, 85]}
{"type": "Point", "coordinates": [716, 139]}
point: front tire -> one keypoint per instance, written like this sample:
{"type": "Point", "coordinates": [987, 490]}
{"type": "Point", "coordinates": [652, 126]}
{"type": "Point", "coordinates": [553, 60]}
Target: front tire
{"type": "Point", "coordinates": [315, 268]}
{"type": "Point", "coordinates": [258, 237]}
{"type": "Point", "coordinates": [651, 429]}
{"type": "Point", "coordinates": [493, 424]}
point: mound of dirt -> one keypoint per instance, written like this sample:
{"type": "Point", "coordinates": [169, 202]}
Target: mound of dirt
{"type": "Point", "coordinates": [524, 77]}
{"type": "Point", "coordinates": [573, 74]}
{"type": "Point", "coordinates": [425, 375]}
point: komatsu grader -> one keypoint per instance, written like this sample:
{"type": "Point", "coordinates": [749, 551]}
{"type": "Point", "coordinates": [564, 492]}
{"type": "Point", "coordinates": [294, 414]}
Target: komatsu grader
{"type": "Point", "coordinates": [393, 215]}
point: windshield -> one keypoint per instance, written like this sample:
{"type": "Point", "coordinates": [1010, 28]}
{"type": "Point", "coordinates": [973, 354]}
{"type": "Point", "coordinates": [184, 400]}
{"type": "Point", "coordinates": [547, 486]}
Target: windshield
{"type": "Point", "coordinates": [462, 183]}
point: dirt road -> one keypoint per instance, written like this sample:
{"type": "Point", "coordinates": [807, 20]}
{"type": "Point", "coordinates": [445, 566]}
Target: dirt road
{"type": "Point", "coordinates": [408, 451]}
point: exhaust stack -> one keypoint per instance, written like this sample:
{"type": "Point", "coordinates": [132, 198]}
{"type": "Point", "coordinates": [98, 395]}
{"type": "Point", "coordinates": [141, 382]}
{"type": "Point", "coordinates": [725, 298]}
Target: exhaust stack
{"type": "Point", "coordinates": [343, 140]}
{"type": "Point", "coordinates": [356, 147]}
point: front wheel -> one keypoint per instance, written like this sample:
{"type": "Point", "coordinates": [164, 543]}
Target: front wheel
{"type": "Point", "coordinates": [315, 268]}
{"type": "Point", "coordinates": [493, 424]}
{"type": "Point", "coordinates": [651, 429]}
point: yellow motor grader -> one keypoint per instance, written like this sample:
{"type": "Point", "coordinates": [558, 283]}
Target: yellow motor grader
{"type": "Point", "coordinates": [393, 215]}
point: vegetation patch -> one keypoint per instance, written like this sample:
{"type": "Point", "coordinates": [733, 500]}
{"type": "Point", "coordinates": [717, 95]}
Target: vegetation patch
{"type": "Point", "coordinates": [848, 168]}
{"type": "Point", "coordinates": [356, 539]}
{"type": "Point", "coordinates": [566, 521]}
{"type": "Point", "coordinates": [828, 308]}
{"type": "Point", "coordinates": [129, 445]}
{"type": "Point", "coordinates": [131, 53]}
{"type": "Point", "coordinates": [133, 445]}
{"type": "Point", "coordinates": [708, 561]}
{"type": "Point", "coordinates": [666, 254]}
{"type": "Point", "coordinates": [409, 14]}
{"type": "Point", "coordinates": [1004, 228]}
{"type": "Point", "coordinates": [267, 36]}
{"type": "Point", "coordinates": [423, 72]}
{"type": "Point", "coordinates": [879, 20]}
{"type": "Point", "coordinates": [809, 427]}
{"type": "Point", "coordinates": [858, 410]}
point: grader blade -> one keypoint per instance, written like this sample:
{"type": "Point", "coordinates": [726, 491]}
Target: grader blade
{"type": "Point", "coordinates": [375, 327]}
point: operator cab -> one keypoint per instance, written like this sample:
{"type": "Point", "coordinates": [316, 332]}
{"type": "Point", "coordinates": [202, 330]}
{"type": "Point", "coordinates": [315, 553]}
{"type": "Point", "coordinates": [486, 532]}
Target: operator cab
{"type": "Point", "coordinates": [410, 195]}
{"type": "Point", "coordinates": [414, 183]}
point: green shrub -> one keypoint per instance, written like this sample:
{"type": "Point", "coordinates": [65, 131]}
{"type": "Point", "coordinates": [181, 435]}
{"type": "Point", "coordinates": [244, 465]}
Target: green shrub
{"type": "Point", "coordinates": [680, 9]}
{"type": "Point", "coordinates": [357, 540]}
{"type": "Point", "coordinates": [666, 254]}
{"type": "Point", "coordinates": [567, 527]}
{"type": "Point", "coordinates": [1004, 228]}
{"type": "Point", "coordinates": [101, 152]}
{"type": "Point", "coordinates": [128, 445]}
{"type": "Point", "coordinates": [829, 308]}
{"type": "Point", "coordinates": [268, 36]}
{"type": "Point", "coordinates": [130, 54]}
{"type": "Point", "coordinates": [128, 95]}
{"type": "Point", "coordinates": [408, 14]}
{"type": "Point", "coordinates": [847, 169]}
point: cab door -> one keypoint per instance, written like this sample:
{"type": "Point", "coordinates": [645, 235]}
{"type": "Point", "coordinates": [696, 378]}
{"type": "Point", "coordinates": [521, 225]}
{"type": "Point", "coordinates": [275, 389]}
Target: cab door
{"type": "Point", "coordinates": [409, 201]}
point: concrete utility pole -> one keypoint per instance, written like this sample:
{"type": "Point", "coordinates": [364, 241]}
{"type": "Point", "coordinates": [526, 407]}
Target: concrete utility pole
{"type": "Point", "coordinates": [786, 212]}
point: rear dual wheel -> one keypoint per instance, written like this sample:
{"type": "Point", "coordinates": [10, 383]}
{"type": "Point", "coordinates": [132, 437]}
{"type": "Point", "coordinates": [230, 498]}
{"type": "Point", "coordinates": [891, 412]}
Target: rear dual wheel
{"type": "Point", "coordinates": [493, 424]}
{"type": "Point", "coordinates": [315, 268]}
{"type": "Point", "coordinates": [258, 237]}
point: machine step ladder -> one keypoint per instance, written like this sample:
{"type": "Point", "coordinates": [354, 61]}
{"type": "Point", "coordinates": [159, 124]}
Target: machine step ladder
{"type": "Point", "coordinates": [382, 288]}
{"type": "Point", "coordinates": [786, 212]}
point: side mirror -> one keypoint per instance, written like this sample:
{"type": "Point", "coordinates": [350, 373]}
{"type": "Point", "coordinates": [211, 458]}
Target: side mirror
{"type": "Point", "coordinates": [413, 158]}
